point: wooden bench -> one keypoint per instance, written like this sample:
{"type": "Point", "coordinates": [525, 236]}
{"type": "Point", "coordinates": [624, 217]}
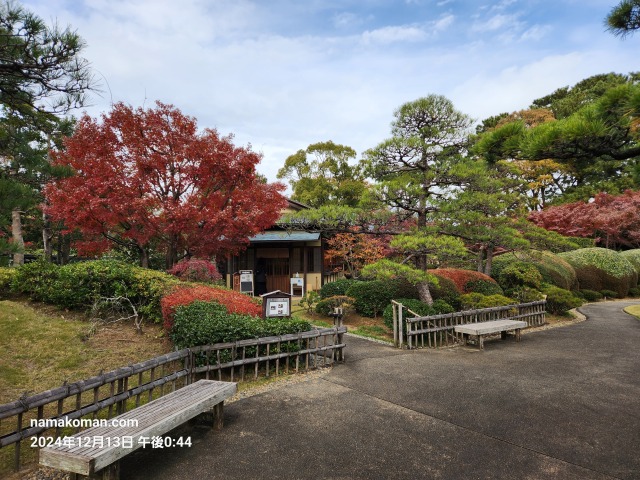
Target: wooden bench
{"type": "Point", "coordinates": [95, 452]}
{"type": "Point", "coordinates": [480, 329]}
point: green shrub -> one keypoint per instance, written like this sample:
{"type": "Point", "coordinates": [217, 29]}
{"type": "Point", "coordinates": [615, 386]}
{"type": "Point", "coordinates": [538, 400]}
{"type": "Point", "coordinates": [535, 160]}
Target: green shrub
{"type": "Point", "coordinates": [416, 306]}
{"type": "Point", "coordinates": [519, 274]}
{"type": "Point", "coordinates": [602, 269]}
{"type": "Point", "coordinates": [80, 284]}
{"type": "Point", "coordinates": [6, 276]}
{"type": "Point", "coordinates": [525, 294]}
{"type": "Point", "coordinates": [560, 301]}
{"type": "Point", "coordinates": [473, 301]}
{"type": "Point", "coordinates": [633, 257]}
{"type": "Point", "coordinates": [484, 287]}
{"type": "Point", "coordinates": [206, 323]}
{"type": "Point", "coordinates": [327, 306]}
{"type": "Point", "coordinates": [554, 269]}
{"type": "Point", "coordinates": [634, 292]}
{"type": "Point", "coordinates": [337, 287]}
{"type": "Point", "coordinates": [609, 294]}
{"type": "Point", "coordinates": [590, 295]}
{"type": "Point", "coordinates": [148, 288]}
{"type": "Point", "coordinates": [371, 298]}
{"type": "Point", "coordinates": [309, 301]}
{"type": "Point", "coordinates": [36, 279]}
{"type": "Point", "coordinates": [446, 291]}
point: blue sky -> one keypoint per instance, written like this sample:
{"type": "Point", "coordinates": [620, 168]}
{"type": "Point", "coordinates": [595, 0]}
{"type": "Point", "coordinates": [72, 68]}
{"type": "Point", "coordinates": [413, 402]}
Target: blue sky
{"type": "Point", "coordinates": [282, 74]}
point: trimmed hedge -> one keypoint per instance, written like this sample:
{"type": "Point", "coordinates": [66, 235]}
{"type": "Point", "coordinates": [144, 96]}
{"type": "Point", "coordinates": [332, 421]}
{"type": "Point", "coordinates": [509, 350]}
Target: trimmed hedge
{"type": "Point", "coordinates": [468, 281]}
{"type": "Point", "coordinates": [560, 301]}
{"type": "Point", "coordinates": [79, 285]}
{"type": "Point", "coordinates": [553, 268]}
{"type": "Point", "coordinates": [446, 291]}
{"type": "Point", "coordinates": [602, 269]}
{"type": "Point", "coordinates": [372, 297]}
{"type": "Point", "coordinates": [473, 301]}
{"type": "Point", "coordinates": [633, 256]}
{"type": "Point", "coordinates": [337, 287]}
{"type": "Point", "coordinates": [233, 302]}
{"type": "Point", "coordinates": [590, 295]}
{"type": "Point", "coordinates": [206, 323]}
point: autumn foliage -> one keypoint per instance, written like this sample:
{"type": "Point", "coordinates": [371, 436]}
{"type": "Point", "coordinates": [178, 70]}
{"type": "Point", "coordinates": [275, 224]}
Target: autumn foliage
{"type": "Point", "coordinates": [147, 178]}
{"type": "Point", "coordinates": [463, 279]}
{"type": "Point", "coordinates": [233, 301]}
{"type": "Point", "coordinates": [195, 270]}
{"type": "Point", "coordinates": [612, 220]}
{"type": "Point", "coordinates": [350, 252]}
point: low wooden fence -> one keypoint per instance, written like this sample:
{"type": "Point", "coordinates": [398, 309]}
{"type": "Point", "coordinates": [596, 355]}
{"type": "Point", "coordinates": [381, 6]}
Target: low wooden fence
{"type": "Point", "coordinates": [438, 330]}
{"type": "Point", "coordinates": [109, 394]}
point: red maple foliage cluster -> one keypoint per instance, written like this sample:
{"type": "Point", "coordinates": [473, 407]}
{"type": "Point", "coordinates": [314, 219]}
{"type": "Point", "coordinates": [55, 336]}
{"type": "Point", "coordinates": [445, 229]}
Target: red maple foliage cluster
{"type": "Point", "coordinates": [233, 301]}
{"type": "Point", "coordinates": [462, 277]}
{"type": "Point", "coordinates": [147, 178]}
{"type": "Point", "coordinates": [195, 270]}
{"type": "Point", "coordinates": [612, 220]}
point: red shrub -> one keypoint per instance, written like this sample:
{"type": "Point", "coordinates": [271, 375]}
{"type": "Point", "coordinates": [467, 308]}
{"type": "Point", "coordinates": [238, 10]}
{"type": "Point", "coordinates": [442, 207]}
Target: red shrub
{"type": "Point", "coordinates": [462, 277]}
{"type": "Point", "coordinates": [234, 302]}
{"type": "Point", "coordinates": [195, 270]}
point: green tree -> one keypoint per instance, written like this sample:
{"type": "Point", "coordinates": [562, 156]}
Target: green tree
{"type": "Point", "coordinates": [42, 75]}
{"type": "Point", "coordinates": [323, 175]}
{"type": "Point", "coordinates": [624, 18]}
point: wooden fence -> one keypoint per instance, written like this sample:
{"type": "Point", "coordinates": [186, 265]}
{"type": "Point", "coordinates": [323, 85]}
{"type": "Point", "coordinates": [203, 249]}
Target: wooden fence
{"type": "Point", "coordinates": [438, 330]}
{"type": "Point", "coordinates": [110, 394]}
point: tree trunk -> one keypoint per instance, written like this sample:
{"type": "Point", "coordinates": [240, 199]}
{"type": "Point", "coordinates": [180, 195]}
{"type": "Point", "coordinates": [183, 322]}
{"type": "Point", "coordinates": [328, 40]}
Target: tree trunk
{"type": "Point", "coordinates": [64, 249]}
{"type": "Point", "coordinates": [171, 257]}
{"type": "Point", "coordinates": [480, 260]}
{"type": "Point", "coordinates": [144, 257]}
{"type": "Point", "coordinates": [424, 293]}
{"type": "Point", "coordinates": [47, 237]}
{"type": "Point", "coordinates": [488, 264]}
{"type": "Point", "coordinates": [16, 234]}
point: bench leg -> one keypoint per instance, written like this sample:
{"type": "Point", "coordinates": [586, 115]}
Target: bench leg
{"type": "Point", "coordinates": [214, 417]}
{"type": "Point", "coordinates": [480, 342]}
{"type": "Point", "coordinates": [517, 335]}
{"type": "Point", "coordinates": [112, 472]}
{"type": "Point", "coordinates": [503, 334]}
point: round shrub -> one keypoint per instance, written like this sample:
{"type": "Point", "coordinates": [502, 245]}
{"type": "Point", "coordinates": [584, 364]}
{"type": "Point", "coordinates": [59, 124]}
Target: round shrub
{"type": "Point", "coordinates": [633, 256]}
{"type": "Point", "coordinates": [609, 294]}
{"type": "Point", "coordinates": [80, 284]}
{"type": "Point", "coordinates": [525, 294]}
{"type": "Point", "coordinates": [560, 301]}
{"type": "Point", "coordinates": [473, 301]}
{"type": "Point", "coordinates": [554, 269]}
{"type": "Point", "coordinates": [195, 270]}
{"type": "Point", "coordinates": [484, 287]}
{"type": "Point", "coordinates": [602, 269]}
{"type": "Point", "coordinates": [370, 298]}
{"type": "Point", "coordinates": [37, 280]}
{"type": "Point", "coordinates": [634, 292]}
{"type": "Point", "coordinates": [446, 291]}
{"type": "Point", "coordinates": [465, 279]}
{"type": "Point", "coordinates": [337, 287]}
{"type": "Point", "coordinates": [518, 275]}
{"type": "Point", "coordinates": [590, 295]}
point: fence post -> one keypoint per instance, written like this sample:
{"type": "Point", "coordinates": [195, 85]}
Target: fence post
{"type": "Point", "coordinates": [394, 307]}
{"type": "Point", "coordinates": [399, 325]}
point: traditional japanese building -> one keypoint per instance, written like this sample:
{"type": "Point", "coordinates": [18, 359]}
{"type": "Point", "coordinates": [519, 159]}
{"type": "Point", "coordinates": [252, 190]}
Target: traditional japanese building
{"type": "Point", "coordinates": [292, 260]}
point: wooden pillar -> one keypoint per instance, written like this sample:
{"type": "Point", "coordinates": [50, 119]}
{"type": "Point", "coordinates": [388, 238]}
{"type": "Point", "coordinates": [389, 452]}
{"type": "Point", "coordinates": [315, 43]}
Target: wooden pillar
{"type": "Point", "coordinates": [305, 268]}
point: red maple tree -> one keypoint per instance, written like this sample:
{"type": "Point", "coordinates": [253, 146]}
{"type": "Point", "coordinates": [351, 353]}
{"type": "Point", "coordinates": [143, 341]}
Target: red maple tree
{"type": "Point", "coordinates": [612, 220]}
{"type": "Point", "coordinates": [146, 178]}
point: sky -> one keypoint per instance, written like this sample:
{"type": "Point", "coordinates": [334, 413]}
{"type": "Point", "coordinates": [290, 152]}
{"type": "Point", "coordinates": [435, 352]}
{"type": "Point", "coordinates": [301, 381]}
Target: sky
{"type": "Point", "coordinates": [282, 74]}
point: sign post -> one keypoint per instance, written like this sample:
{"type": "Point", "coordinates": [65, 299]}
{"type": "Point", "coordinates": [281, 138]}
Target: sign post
{"type": "Point", "coordinates": [276, 304]}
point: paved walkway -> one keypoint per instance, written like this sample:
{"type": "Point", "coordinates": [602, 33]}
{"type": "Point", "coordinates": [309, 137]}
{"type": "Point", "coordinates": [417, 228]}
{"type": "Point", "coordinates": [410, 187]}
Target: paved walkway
{"type": "Point", "coordinates": [562, 404]}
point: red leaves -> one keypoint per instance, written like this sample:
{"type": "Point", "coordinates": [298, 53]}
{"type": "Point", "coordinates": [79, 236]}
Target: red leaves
{"type": "Point", "coordinates": [610, 219]}
{"type": "Point", "coordinates": [234, 302]}
{"type": "Point", "coordinates": [461, 277]}
{"type": "Point", "coordinates": [148, 177]}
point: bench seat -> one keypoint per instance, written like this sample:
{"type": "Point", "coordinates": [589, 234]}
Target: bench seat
{"type": "Point", "coordinates": [155, 418]}
{"type": "Point", "coordinates": [480, 329]}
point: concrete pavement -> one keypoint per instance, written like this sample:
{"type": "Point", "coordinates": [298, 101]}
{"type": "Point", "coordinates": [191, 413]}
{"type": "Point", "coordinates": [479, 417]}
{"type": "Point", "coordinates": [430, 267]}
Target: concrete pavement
{"type": "Point", "coordinates": [562, 404]}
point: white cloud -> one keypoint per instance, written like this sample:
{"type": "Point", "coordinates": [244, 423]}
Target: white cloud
{"type": "Point", "coordinates": [393, 34]}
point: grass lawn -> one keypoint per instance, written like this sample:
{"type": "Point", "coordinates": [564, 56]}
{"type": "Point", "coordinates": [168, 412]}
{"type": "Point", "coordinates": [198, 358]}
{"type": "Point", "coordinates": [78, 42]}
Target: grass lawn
{"type": "Point", "coordinates": [42, 346]}
{"type": "Point", "coordinates": [633, 310]}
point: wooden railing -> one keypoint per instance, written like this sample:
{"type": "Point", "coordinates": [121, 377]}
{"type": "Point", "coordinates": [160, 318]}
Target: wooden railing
{"type": "Point", "coordinates": [438, 330]}
{"type": "Point", "coordinates": [109, 394]}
